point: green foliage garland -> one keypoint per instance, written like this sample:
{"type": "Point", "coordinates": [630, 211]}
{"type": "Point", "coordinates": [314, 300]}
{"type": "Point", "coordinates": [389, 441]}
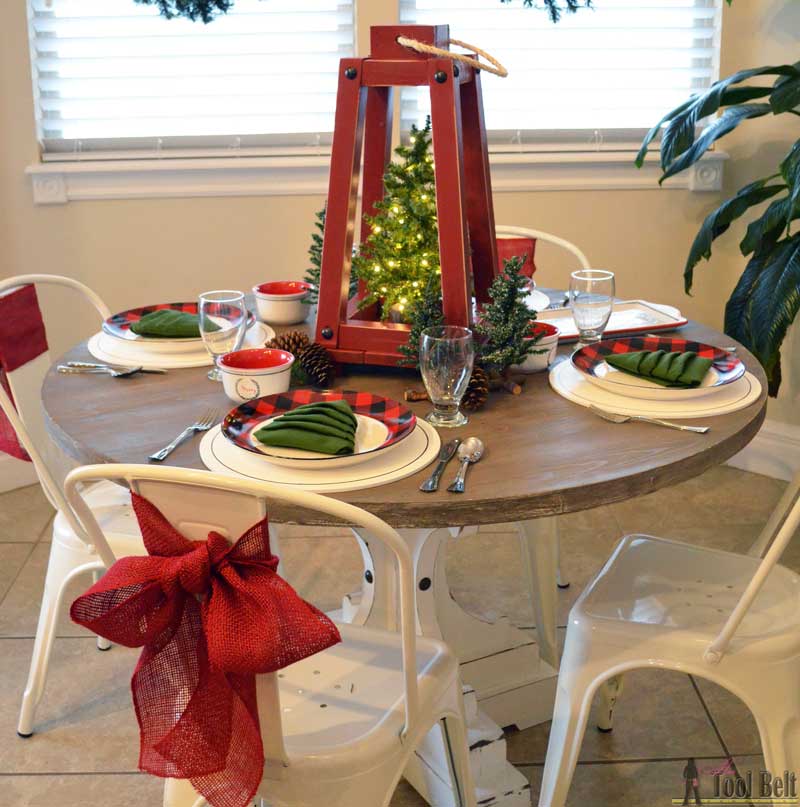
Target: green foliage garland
{"type": "Point", "coordinates": [204, 10]}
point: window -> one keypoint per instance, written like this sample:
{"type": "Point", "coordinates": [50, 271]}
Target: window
{"type": "Point", "coordinates": [600, 76]}
{"type": "Point", "coordinates": [112, 75]}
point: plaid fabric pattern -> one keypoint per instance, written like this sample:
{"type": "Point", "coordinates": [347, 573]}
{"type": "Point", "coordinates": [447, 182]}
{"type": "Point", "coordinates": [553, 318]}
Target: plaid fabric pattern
{"type": "Point", "coordinates": [119, 324]}
{"type": "Point", "coordinates": [240, 422]}
{"type": "Point", "coordinates": [590, 357]}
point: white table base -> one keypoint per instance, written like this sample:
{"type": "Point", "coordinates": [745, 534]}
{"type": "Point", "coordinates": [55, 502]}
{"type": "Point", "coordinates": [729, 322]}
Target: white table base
{"type": "Point", "coordinates": [509, 673]}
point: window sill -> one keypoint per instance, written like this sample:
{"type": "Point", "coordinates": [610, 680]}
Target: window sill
{"type": "Point", "coordinates": [61, 182]}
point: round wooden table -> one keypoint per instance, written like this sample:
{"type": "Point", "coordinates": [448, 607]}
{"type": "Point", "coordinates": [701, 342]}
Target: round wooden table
{"type": "Point", "coordinates": [544, 456]}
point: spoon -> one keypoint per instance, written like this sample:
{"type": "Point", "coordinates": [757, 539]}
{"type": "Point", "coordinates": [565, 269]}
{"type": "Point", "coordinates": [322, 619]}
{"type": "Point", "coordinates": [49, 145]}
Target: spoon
{"type": "Point", "coordinates": [471, 450]}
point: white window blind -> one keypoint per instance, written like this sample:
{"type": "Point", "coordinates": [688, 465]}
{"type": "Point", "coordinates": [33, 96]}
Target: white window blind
{"type": "Point", "coordinates": [114, 76]}
{"type": "Point", "coordinates": [598, 78]}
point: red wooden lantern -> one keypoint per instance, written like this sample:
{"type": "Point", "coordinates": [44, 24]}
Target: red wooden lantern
{"type": "Point", "coordinates": [467, 248]}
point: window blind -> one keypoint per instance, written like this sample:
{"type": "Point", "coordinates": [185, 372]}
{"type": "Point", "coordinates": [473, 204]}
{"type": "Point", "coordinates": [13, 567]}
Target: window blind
{"type": "Point", "coordinates": [598, 79]}
{"type": "Point", "coordinates": [113, 75]}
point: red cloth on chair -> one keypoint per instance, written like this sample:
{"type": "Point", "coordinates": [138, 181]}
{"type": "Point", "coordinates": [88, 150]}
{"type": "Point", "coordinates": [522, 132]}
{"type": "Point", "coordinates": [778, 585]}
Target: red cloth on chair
{"type": "Point", "coordinates": [210, 616]}
{"type": "Point", "coordinates": [520, 247]}
{"type": "Point", "coordinates": [22, 339]}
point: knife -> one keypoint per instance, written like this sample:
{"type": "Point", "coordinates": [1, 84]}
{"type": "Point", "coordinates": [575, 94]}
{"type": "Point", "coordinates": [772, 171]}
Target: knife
{"type": "Point", "coordinates": [446, 453]}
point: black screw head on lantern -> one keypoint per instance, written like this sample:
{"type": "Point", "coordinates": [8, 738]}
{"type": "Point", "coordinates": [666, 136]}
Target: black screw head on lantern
{"type": "Point", "coordinates": [327, 333]}
{"type": "Point", "coordinates": [440, 77]}
{"type": "Point", "coordinates": [350, 73]}
{"type": "Point", "coordinates": [368, 576]}
{"type": "Point", "coordinates": [424, 584]}
{"type": "Point", "coordinates": [456, 71]}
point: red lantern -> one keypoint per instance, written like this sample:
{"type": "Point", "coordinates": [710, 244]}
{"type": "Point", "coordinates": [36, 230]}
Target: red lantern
{"type": "Point", "coordinates": [467, 247]}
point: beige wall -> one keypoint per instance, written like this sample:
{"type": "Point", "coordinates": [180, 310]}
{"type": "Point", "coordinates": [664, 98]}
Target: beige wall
{"type": "Point", "coordinates": [139, 250]}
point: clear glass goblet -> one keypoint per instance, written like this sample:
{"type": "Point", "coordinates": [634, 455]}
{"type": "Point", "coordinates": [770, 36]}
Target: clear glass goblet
{"type": "Point", "coordinates": [223, 322]}
{"type": "Point", "coordinates": [446, 356]}
{"type": "Point", "coordinates": [591, 293]}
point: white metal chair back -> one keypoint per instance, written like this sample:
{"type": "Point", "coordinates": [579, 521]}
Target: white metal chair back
{"type": "Point", "coordinates": [779, 530]}
{"type": "Point", "coordinates": [196, 502]}
{"type": "Point", "coordinates": [26, 387]}
{"type": "Point", "coordinates": [526, 232]}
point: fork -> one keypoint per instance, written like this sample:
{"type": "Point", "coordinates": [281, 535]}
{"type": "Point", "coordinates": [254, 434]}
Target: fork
{"type": "Point", "coordinates": [614, 418]}
{"type": "Point", "coordinates": [203, 424]}
{"type": "Point", "coordinates": [86, 365]}
{"type": "Point", "coordinates": [114, 372]}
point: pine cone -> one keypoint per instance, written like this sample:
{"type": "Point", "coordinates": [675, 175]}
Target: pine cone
{"type": "Point", "coordinates": [477, 390]}
{"type": "Point", "coordinates": [292, 341]}
{"type": "Point", "coordinates": [317, 365]}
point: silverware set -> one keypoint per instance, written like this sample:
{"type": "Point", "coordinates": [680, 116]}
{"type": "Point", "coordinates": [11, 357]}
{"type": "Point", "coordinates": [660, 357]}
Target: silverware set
{"type": "Point", "coordinates": [470, 451]}
{"type": "Point", "coordinates": [113, 370]}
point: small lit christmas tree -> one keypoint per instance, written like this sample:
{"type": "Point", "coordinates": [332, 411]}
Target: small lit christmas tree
{"type": "Point", "coordinates": [402, 250]}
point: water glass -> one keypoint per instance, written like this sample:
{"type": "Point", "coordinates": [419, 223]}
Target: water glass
{"type": "Point", "coordinates": [446, 356]}
{"type": "Point", "coordinates": [223, 322]}
{"type": "Point", "coordinates": [591, 293]}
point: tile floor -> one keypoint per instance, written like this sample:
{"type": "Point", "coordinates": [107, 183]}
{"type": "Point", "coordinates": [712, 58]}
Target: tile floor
{"type": "Point", "coordinates": [84, 754]}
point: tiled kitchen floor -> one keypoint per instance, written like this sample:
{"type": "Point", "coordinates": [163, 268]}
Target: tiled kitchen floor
{"type": "Point", "coordinates": [85, 749]}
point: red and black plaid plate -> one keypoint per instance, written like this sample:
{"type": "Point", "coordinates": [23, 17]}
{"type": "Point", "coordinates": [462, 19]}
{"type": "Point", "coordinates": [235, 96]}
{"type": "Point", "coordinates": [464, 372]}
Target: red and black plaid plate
{"type": "Point", "coordinates": [590, 358]}
{"type": "Point", "coordinates": [120, 324]}
{"type": "Point", "coordinates": [241, 422]}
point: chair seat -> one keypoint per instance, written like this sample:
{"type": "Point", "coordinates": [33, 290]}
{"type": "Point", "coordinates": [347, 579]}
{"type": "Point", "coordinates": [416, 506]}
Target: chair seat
{"type": "Point", "coordinates": [658, 582]}
{"type": "Point", "coordinates": [111, 505]}
{"type": "Point", "coordinates": [350, 696]}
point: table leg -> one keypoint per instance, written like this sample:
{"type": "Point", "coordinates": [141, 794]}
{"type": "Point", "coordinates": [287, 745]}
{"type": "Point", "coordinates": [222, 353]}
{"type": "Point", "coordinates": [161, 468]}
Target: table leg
{"type": "Point", "coordinates": [507, 681]}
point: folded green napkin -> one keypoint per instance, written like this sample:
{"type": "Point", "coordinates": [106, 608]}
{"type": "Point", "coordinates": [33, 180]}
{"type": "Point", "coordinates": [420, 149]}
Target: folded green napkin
{"type": "Point", "coordinates": [170, 324]}
{"type": "Point", "coordinates": [328, 427]}
{"type": "Point", "coordinates": [338, 409]}
{"type": "Point", "coordinates": [667, 369]}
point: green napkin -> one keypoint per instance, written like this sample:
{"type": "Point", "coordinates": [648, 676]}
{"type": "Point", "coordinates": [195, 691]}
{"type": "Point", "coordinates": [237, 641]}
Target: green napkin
{"type": "Point", "coordinates": [328, 427]}
{"type": "Point", "coordinates": [667, 369]}
{"type": "Point", "coordinates": [170, 324]}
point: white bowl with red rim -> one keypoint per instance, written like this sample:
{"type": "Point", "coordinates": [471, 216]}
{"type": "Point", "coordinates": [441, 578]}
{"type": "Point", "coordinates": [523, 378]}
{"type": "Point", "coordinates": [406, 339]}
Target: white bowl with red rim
{"type": "Point", "coordinates": [545, 337]}
{"type": "Point", "coordinates": [255, 372]}
{"type": "Point", "coordinates": [282, 302]}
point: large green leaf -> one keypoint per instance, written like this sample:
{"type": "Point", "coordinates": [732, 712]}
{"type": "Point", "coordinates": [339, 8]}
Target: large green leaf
{"type": "Point", "coordinates": [767, 228]}
{"type": "Point", "coordinates": [765, 303]}
{"type": "Point", "coordinates": [786, 94]}
{"type": "Point", "coordinates": [718, 128]}
{"type": "Point", "coordinates": [720, 220]}
{"type": "Point", "coordinates": [683, 120]}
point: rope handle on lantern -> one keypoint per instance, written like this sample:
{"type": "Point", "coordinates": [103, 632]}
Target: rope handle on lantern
{"type": "Point", "coordinates": [421, 47]}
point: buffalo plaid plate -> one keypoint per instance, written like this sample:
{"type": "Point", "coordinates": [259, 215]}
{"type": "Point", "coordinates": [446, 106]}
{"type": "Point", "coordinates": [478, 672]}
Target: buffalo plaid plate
{"type": "Point", "coordinates": [119, 325]}
{"type": "Point", "coordinates": [241, 422]}
{"type": "Point", "coordinates": [591, 361]}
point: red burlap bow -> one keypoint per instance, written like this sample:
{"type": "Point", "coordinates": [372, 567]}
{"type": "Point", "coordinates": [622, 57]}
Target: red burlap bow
{"type": "Point", "coordinates": [209, 617]}
{"type": "Point", "coordinates": [22, 339]}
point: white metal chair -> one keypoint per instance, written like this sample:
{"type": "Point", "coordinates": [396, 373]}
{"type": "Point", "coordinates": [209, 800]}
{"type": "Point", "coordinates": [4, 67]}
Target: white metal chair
{"type": "Point", "coordinates": [502, 230]}
{"type": "Point", "coordinates": [734, 619]}
{"type": "Point", "coordinates": [381, 691]}
{"type": "Point", "coordinates": [71, 554]}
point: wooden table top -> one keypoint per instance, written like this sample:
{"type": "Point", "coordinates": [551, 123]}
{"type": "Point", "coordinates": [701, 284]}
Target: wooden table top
{"type": "Point", "coordinates": [544, 454]}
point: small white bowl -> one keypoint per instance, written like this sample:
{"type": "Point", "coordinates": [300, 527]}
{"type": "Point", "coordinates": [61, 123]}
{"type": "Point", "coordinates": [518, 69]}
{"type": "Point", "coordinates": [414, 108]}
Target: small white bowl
{"type": "Point", "coordinates": [255, 372]}
{"type": "Point", "coordinates": [544, 351]}
{"type": "Point", "coordinates": [282, 302]}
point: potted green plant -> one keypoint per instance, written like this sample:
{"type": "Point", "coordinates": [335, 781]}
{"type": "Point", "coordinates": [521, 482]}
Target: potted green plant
{"type": "Point", "coordinates": [766, 298]}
